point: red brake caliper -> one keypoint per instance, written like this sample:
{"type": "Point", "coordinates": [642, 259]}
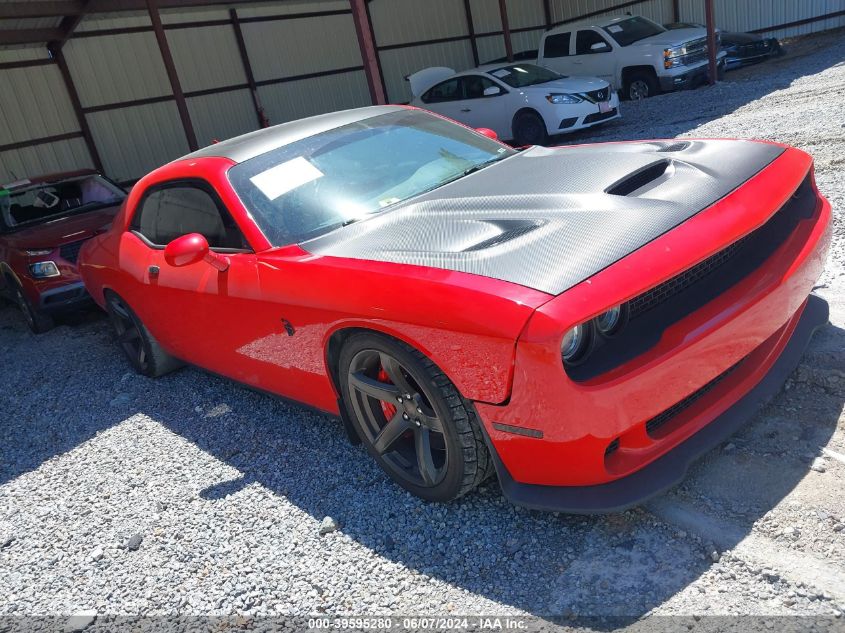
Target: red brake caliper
{"type": "Point", "coordinates": [387, 408]}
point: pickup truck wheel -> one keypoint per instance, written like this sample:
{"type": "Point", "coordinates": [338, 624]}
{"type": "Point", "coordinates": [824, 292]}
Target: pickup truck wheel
{"type": "Point", "coordinates": [142, 350]}
{"type": "Point", "coordinates": [641, 85]}
{"type": "Point", "coordinates": [529, 129]}
{"type": "Point", "coordinates": [411, 418]}
{"type": "Point", "coordinates": [37, 321]}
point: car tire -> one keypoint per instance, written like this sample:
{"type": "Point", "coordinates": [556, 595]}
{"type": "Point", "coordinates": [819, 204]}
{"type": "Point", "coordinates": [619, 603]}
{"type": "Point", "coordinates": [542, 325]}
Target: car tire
{"type": "Point", "coordinates": [37, 321]}
{"type": "Point", "coordinates": [430, 443]}
{"type": "Point", "coordinates": [140, 347]}
{"type": "Point", "coordinates": [529, 129]}
{"type": "Point", "coordinates": [641, 85]}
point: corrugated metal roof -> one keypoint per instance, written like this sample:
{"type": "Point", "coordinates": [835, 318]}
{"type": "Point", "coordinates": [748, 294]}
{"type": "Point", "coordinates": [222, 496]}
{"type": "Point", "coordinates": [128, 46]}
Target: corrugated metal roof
{"type": "Point", "coordinates": [285, 48]}
{"type": "Point", "coordinates": [34, 104]}
{"type": "Point", "coordinates": [113, 68]}
{"type": "Point", "coordinates": [206, 57]}
{"type": "Point", "coordinates": [298, 99]}
{"type": "Point", "coordinates": [221, 116]}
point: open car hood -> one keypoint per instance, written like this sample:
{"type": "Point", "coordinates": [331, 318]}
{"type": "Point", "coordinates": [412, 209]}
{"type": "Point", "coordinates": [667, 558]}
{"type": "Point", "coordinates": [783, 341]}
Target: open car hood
{"type": "Point", "coordinates": [550, 218]}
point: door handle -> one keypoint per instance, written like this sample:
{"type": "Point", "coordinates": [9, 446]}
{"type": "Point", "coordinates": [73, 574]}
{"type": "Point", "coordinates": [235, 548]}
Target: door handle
{"type": "Point", "coordinates": [153, 270]}
{"type": "Point", "coordinates": [466, 110]}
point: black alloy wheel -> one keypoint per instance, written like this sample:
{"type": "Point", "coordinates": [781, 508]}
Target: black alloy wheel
{"type": "Point", "coordinates": [529, 129]}
{"type": "Point", "coordinates": [142, 350]}
{"type": "Point", "coordinates": [412, 419]}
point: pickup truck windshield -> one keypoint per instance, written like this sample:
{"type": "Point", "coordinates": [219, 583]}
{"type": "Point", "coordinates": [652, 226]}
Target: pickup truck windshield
{"type": "Point", "coordinates": [522, 75]}
{"type": "Point", "coordinates": [633, 30]}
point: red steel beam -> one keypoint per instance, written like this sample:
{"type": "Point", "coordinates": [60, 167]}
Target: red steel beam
{"type": "Point", "coordinates": [471, 31]}
{"type": "Point", "coordinates": [176, 86]}
{"type": "Point", "coordinates": [676, 10]}
{"type": "Point", "coordinates": [369, 53]}
{"type": "Point", "coordinates": [29, 36]}
{"type": "Point", "coordinates": [73, 95]}
{"type": "Point", "coordinates": [506, 28]}
{"type": "Point", "coordinates": [711, 40]}
{"type": "Point", "coordinates": [547, 13]}
{"type": "Point", "coordinates": [250, 77]}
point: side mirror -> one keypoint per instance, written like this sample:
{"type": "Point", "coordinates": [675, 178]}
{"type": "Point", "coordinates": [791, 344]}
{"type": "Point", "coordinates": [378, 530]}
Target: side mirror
{"type": "Point", "coordinates": [486, 131]}
{"type": "Point", "coordinates": [192, 248]}
{"type": "Point", "coordinates": [492, 91]}
{"type": "Point", "coordinates": [600, 47]}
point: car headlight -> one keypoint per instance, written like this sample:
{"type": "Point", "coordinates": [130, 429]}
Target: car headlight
{"type": "Point", "coordinates": [41, 270]}
{"type": "Point", "coordinates": [673, 57]}
{"type": "Point", "coordinates": [562, 99]}
{"type": "Point", "coordinates": [576, 343]}
{"type": "Point", "coordinates": [610, 322]}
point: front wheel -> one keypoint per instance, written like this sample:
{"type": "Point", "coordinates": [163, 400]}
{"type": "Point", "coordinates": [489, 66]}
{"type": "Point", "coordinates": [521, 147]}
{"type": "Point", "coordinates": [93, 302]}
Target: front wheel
{"type": "Point", "coordinates": [37, 321]}
{"type": "Point", "coordinates": [412, 419]}
{"type": "Point", "coordinates": [641, 85]}
{"type": "Point", "coordinates": [529, 129]}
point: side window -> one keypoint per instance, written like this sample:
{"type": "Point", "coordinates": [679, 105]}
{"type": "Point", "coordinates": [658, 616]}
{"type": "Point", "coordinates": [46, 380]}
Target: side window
{"type": "Point", "coordinates": [446, 91]}
{"type": "Point", "coordinates": [174, 210]}
{"type": "Point", "coordinates": [557, 45]}
{"type": "Point", "coordinates": [586, 39]}
{"type": "Point", "coordinates": [475, 85]}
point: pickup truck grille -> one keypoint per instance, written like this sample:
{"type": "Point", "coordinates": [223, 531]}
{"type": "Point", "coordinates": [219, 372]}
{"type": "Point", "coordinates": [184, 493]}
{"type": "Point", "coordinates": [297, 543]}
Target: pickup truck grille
{"type": "Point", "coordinates": [70, 252]}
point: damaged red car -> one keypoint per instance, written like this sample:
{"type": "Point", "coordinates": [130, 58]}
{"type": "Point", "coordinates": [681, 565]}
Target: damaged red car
{"type": "Point", "coordinates": [43, 223]}
{"type": "Point", "coordinates": [583, 321]}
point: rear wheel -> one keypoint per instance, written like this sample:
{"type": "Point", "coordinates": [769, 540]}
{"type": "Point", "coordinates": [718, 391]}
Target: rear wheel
{"type": "Point", "coordinates": [529, 129]}
{"type": "Point", "coordinates": [641, 85]}
{"type": "Point", "coordinates": [37, 321]}
{"type": "Point", "coordinates": [142, 350]}
{"type": "Point", "coordinates": [412, 419]}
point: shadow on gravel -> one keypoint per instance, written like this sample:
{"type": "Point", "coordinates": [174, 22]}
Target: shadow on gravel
{"type": "Point", "coordinates": [619, 565]}
{"type": "Point", "coordinates": [676, 113]}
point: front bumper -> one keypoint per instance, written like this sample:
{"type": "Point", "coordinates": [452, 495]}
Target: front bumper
{"type": "Point", "coordinates": [689, 79]}
{"type": "Point", "coordinates": [559, 429]}
{"type": "Point", "coordinates": [64, 297]}
{"type": "Point", "coordinates": [783, 352]}
{"type": "Point", "coordinates": [563, 119]}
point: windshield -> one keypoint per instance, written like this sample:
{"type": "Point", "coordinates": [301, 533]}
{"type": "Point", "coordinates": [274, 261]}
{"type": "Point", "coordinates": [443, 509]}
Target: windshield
{"type": "Point", "coordinates": [521, 75]}
{"type": "Point", "coordinates": [41, 203]}
{"type": "Point", "coordinates": [310, 187]}
{"type": "Point", "coordinates": [633, 30]}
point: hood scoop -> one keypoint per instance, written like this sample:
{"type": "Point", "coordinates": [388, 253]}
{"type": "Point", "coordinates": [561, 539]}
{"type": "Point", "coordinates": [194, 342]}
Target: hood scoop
{"type": "Point", "coordinates": [639, 179]}
{"type": "Point", "coordinates": [510, 230]}
{"type": "Point", "coordinates": [680, 146]}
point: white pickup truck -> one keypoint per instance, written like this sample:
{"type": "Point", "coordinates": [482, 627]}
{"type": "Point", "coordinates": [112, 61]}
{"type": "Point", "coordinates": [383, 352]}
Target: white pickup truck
{"type": "Point", "coordinates": [637, 56]}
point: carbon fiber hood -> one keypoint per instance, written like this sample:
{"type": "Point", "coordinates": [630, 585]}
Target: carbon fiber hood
{"type": "Point", "coordinates": [549, 219]}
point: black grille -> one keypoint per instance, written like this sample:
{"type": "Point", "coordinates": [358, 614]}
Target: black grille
{"type": "Point", "coordinates": [70, 252]}
{"type": "Point", "coordinates": [668, 289]}
{"type": "Point", "coordinates": [660, 420]}
{"type": "Point", "coordinates": [597, 96]}
{"type": "Point", "coordinates": [599, 116]}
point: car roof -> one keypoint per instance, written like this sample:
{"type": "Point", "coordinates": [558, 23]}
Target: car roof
{"type": "Point", "coordinates": [597, 22]}
{"type": "Point", "coordinates": [242, 148]}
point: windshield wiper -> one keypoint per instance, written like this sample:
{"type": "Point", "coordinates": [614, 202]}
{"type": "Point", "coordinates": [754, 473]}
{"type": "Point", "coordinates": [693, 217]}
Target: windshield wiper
{"type": "Point", "coordinates": [480, 166]}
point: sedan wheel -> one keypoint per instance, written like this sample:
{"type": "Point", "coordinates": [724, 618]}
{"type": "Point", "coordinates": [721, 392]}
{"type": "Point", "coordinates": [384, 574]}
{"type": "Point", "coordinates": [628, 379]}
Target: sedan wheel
{"type": "Point", "coordinates": [423, 435]}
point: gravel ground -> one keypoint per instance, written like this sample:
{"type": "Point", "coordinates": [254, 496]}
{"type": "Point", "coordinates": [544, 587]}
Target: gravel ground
{"type": "Point", "coordinates": [121, 495]}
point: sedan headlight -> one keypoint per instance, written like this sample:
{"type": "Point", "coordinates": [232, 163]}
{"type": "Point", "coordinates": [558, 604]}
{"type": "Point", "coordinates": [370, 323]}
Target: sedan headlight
{"type": "Point", "coordinates": [563, 99]}
{"type": "Point", "coordinates": [41, 270]}
{"type": "Point", "coordinates": [576, 343]}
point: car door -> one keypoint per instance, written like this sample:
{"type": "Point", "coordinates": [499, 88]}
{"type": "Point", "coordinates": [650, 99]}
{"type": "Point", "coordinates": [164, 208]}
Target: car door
{"type": "Point", "coordinates": [444, 98]}
{"type": "Point", "coordinates": [556, 53]}
{"type": "Point", "coordinates": [477, 109]}
{"type": "Point", "coordinates": [593, 55]}
{"type": "Point", "coordinates": [196, 311]}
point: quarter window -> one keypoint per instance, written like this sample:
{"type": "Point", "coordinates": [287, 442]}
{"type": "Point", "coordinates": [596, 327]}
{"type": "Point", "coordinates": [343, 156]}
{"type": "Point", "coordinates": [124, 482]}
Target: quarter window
{"type": "Point", "coordinates": [585, 40]}
{"type": "Point", "coordinates": [174, 210]}
{"type": "Point", "coordinates": [557, 45]}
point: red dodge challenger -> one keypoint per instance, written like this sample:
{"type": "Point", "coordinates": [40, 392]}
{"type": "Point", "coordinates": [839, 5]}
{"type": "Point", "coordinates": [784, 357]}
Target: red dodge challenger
{"type": "Point", "coordinates": [583, 321]}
